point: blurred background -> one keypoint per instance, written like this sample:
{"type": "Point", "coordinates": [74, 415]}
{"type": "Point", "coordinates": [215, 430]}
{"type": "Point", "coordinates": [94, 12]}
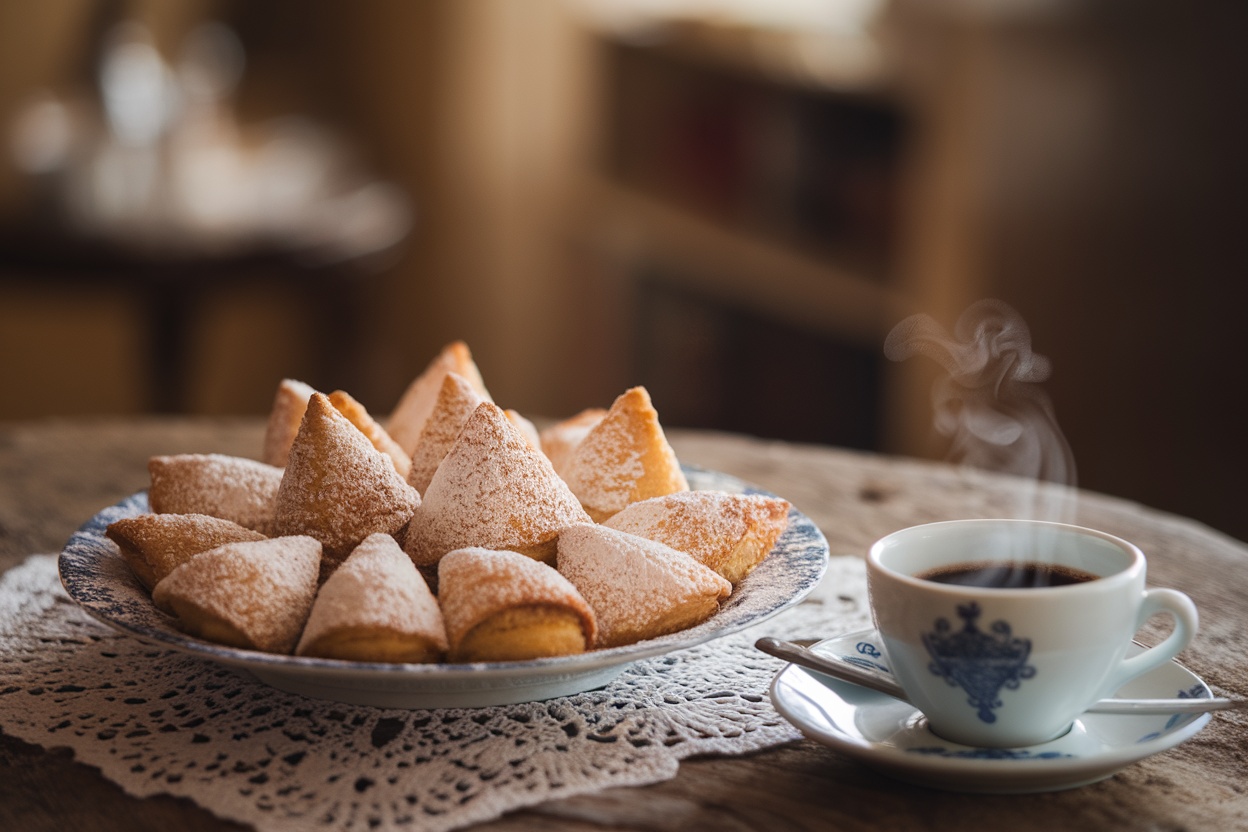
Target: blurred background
{"type": "Point", "coordinates": [731, 202]}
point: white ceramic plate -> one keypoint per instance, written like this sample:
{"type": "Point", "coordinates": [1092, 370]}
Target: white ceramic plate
{"type": "Point", "coordinates": [98, 580]}
{"type": "Point", "coordinates": [893, 737]}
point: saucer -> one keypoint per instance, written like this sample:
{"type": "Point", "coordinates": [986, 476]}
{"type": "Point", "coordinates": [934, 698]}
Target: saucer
{"type": "Point", "coordinates": [893, 736]}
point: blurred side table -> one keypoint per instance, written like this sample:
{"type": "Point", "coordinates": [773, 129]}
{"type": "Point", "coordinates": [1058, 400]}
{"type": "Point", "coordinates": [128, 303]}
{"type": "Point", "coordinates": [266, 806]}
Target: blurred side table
{"type": "Point", "coordinates": [171, 286]}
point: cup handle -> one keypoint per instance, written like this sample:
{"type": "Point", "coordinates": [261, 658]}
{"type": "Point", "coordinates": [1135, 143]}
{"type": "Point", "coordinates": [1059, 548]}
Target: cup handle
{"type": "Point", "coordinates": [1182, 610]}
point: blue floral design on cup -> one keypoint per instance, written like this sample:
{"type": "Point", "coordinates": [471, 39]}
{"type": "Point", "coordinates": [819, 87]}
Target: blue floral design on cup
{"type": "Point", "coordinates": [981, 663]}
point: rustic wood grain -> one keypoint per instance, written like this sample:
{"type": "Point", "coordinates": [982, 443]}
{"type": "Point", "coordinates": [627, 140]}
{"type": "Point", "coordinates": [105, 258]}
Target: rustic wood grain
{"type": "Point", "coordinates": [55, 475]}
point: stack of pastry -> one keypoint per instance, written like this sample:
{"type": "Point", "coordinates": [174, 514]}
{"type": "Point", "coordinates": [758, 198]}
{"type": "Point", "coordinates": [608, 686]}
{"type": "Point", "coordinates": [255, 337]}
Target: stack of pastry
{"type": "Point", "coordinates": [455, 531]}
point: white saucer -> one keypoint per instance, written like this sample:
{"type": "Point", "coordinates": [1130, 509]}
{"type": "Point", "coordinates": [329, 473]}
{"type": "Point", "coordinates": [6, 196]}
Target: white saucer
{"type": "Point", "coordinates": [892, 736]}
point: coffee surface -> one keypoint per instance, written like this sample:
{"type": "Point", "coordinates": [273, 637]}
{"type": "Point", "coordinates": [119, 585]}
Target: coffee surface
{"type": "Point", "coordinates": [1007, 575]}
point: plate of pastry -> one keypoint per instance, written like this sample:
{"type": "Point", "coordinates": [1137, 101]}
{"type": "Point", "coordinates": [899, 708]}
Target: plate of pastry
{"type": "Point", "coordinates": [454, 557]}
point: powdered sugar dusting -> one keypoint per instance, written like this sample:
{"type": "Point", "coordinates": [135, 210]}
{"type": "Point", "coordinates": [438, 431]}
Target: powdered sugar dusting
{"type": "Point", "coordinates": [376, 586]}
{"type": "Point", "coordinates": [155, 544]}
{"type": "Point", "coordinates": [456, 401]}
{"type": "Point", "coordinates": [491, 490]}
{"type": "Point", "coordinates": [262, 587]}
{"type": "Point", "coordinates": [624, 458]}
{"type": "Point", "coordinates": [289, 402]}
{"type": "Point", "coordinates": [337, 487]}
{"type": "Point", "coordinates": [475, 583]}
{"type": "Point", "coordinates": [559, 440]}
{"type": "Point", "coordinates": [632, 582]}
{"type": "Point", "coordinates": [229, 487]}
{"type": "Point", "coordinates": [704, 524]}
{"type": "Point", "coordinates": [409, 415]}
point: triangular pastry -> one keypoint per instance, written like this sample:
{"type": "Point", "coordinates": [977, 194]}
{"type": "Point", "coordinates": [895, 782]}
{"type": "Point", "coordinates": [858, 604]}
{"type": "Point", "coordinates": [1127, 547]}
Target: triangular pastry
{"type": "Point", "coordinates": [337, 487]}
{"type": "Point", "coordinates": [375, 607]}
{"type": "Point", "coordinates": [153, 545]}
{"type": "Point", "coordinates": [560, 439]}
{"type": "Point", "coordinates": [358, 415]}
{"type": "Point", "coordinates": [492, 490]}
{"type": "Point", "coordinates": [503, 606]}
{"type": "Point", "coordinates": [229, 487]}
{"type": "Point", "coordinates": [623, 459]}
{"type": "Point", "coordinates": [638, 588]}
{"type": "Point", "coordinates": [289, 402]}
{"type": "Point", "coordinates": [730, 533]}
{"type": "Point", "coordinates": [457, 399]}
{"type": "Point", "coordinates": [526, 427]}
{"type": "Point", "coordinates": [255, 594]}
{"type": "Point", "coordinates": [408, 417]}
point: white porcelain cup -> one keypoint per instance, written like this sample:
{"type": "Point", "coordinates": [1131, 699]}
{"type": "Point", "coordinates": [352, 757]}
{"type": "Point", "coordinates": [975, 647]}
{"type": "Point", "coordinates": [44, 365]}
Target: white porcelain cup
{"type": "Point", "coordinates": [1009, 667]}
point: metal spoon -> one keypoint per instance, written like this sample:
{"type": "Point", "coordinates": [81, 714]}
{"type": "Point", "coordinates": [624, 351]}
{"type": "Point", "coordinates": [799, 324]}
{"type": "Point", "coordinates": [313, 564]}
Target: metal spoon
{"type": "Point", "coordinates": [847, 672]}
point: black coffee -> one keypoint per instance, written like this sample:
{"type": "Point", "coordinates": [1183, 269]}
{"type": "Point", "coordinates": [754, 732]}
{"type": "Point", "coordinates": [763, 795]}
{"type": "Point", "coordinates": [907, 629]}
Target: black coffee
{"type": "Point", "coordinates": [1007, 575]}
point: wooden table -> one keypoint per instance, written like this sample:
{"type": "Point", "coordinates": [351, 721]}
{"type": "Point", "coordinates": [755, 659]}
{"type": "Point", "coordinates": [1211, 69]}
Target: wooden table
{"type": "Point", "coordinates": [55, 475]}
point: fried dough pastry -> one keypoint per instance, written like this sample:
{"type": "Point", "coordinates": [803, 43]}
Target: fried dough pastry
{"type": "Point", "coordinates": [229, 487]}
{"type": "Point", "coordinates": [375, 608]}
{"type": "Point", "coordinates": [502, 606]}
{"type": "Point", "coordinates": [358, 415]}
{"type": "Point", "coordinates": [638, 588]}
{"type": "Point", "coordinates": [255, 594]}
{"type": "Point", "coordinates": [623, 459]}
{"type": "Point", "coordinates": [456, 401]}
{"type": "Point", "coordinates": [560, 439]}
{"type": "Point", "coordinates": [289, 402]}
{"type": "Point", "coordinates": [153, 545]}
{"type": "Point", "coordinates": [730, 533]}
{"type": "Point", "coordinates": [492, 490]}
{"type": "Point", "coordinates": [408, 417]}
{"type": "Point", "coordinates": [337, 487]}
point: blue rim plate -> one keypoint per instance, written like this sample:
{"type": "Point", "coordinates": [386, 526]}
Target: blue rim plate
{"type": "Point", "coordinates": [98, 580]}
{"type": "Point", "coordinates": [892, 736]}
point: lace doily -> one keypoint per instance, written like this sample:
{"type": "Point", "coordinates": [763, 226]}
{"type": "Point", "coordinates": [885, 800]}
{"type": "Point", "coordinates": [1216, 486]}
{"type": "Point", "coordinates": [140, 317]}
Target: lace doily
{"type": "Point", "coordinates": [156, 721]}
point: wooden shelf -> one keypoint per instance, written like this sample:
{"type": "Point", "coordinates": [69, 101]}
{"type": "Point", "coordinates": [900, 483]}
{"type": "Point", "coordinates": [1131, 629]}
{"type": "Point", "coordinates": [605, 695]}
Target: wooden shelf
{"type": "Point", "coordinates": [636, 230]}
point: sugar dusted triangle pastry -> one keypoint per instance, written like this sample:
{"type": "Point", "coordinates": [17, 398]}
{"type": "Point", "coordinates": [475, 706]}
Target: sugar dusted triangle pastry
{"type": "Point", "coordinates": [623, 459]}
{"type": "Point", "coordinates": [414, 406]}
{"type": "Point", "coordinates": [492, 490]}
{"type": "Point", "coordinates": [503, 606]}
{"type": "Point", "coordinates": [730, 533]}
{"type": "Point", "coordinates": [560, 439]}
{"type": "Point", "coordinates": [526, 427]}
{"type": "Point", "coordinates": [457, 399]}
{"type": "Point", "coordinates": [229, 487]}
{"type": "Point", "coordinates": [153, 545]}
{"type": "Point", "coordinates": [254, 594]}
{"type": "Point", "coordinates": [375, 607]}
{"type": "Point", "coordinates": [358, 415]}
{"type": "Point", "coordinates": [337, 487]}
{"type": "Point", "coordinates": [638, 588]}
{"type": "Point", "coordinates": [289, 402]}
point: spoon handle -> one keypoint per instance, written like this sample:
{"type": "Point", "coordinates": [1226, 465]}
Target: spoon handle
{"type": "Point", "coordinates": [847, 672]}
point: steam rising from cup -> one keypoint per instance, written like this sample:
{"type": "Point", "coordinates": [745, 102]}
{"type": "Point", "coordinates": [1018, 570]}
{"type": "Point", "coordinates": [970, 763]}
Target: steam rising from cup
{"type": "Point", "coordinates": [991, 405]}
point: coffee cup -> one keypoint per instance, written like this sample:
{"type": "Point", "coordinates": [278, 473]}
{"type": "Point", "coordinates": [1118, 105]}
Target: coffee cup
{"type": "Point", "coordinates": [1008, 657]}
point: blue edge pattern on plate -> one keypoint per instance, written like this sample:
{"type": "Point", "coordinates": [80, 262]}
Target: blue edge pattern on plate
{"type": "Point", "coordinates": [99, 581]}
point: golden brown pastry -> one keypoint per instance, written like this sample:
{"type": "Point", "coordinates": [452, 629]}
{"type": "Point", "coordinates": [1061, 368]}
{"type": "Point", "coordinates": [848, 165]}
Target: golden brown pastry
{"type": "Point", "coordinates": [526, 427]}
{"type": "Point", "coordinates": [638, 588]}
{"type": "Point", "coordinates": [337, 487]}
{"type": "Point", "coordinates": [623, 459]}
{"type": "Point", "coordinates": [375, 608]}
{"type": "Point", "coordinates": [255, 594]}
{"type": "Point", "coordinates": [560, 439]}
{"type": "Point", "coordinates": [357, 415]}
{"type": "Point", "coordinates": [491, 490]}
{"type": "Point", "coordinates": [229, 487]}
{"type": "Point", "coordinates": [730, 533]}
{"type": "Point", "coordinates": [153, 545]}
{"type": "Point", "coordinates": [414, 406]}
{"type": "Point", "coordinates": [289, 402]}
{"type": "Point", "coordinates": [502, 606]}
{"type": "Point", "coordinates": [456, 401]}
